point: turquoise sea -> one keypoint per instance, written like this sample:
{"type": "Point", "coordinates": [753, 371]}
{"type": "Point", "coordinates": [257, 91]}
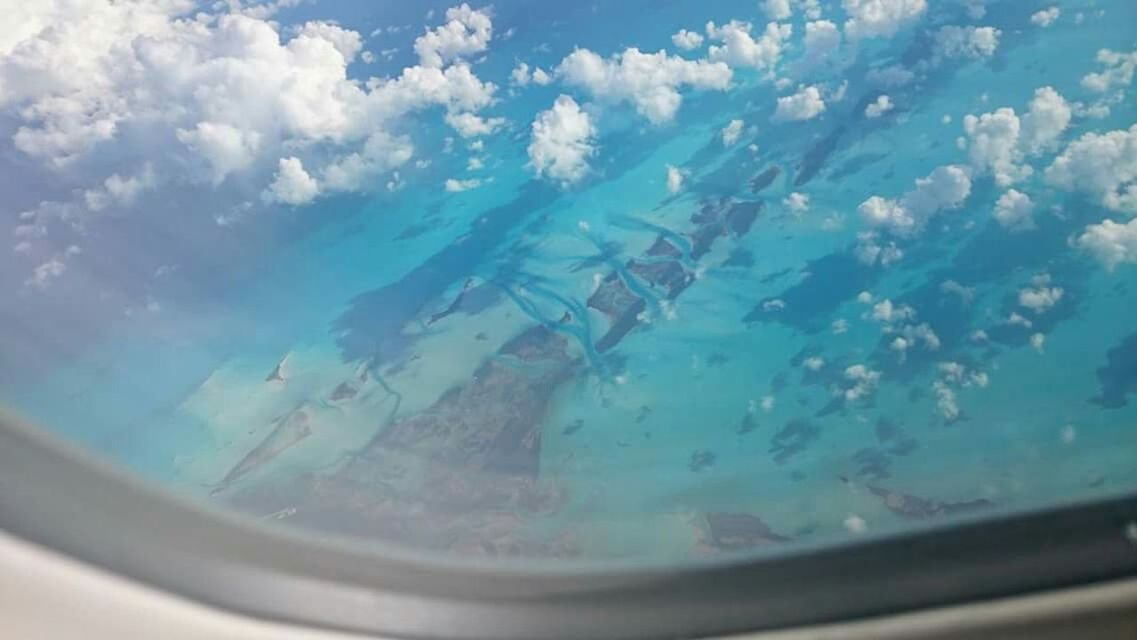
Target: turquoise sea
{"type": "Point", "coordinates": [448, 371]}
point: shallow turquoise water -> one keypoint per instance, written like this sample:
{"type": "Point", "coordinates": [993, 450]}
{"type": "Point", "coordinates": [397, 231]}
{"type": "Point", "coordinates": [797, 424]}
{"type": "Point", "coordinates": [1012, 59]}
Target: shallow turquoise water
{"type": "Point", "coordinates": [710, 404]}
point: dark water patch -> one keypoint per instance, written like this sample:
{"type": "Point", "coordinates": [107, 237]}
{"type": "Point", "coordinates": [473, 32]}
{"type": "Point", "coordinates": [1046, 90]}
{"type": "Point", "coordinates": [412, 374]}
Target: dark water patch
{"type": "Point", "coordinates": [609, 250]}
{"type": "Point", "coordinates": [916, 507]}
{"type": "Point", "coordinates": [817, 155]}
{"type": "Point", "coordinates": [739, 531]}
{"type": "Point", "coordinates": [573, 427]}
{"type": "Point", "coordinates": [1118, 377]}
{"type": "Point", "coordinates": [894, 438]}
{"type": "Point", "coordinates": [872, 464]}
{"type": "Point", "coordinates": [643, 414]}
{"type": "Point", "coordinates": [701, 460]}
{"type": "Point", "coordinates": [415, 230]}
{"type": "Point", "coordinates": [834, 279]}
{"type": "Point", "coordinates": [836, 405]}
{"type": "Point", "coordinates": [372, 326]}
{"type": "Point", "coordinates": [792, 439]}
{"type": "Point", "coordinates": [776, 275]}
{"type": "Point", "coordinates": [748, 424]}
{"type": "Point", "coordinates": [717, 359]}
{"type": "Point", "coordinates": [779, 382]}
{"type": "Point", "coordinates": [739, 258]}
{"type": "Point", "coordinates": [765, 179]}
{"type": "Point", "coordinates": [855, 165]}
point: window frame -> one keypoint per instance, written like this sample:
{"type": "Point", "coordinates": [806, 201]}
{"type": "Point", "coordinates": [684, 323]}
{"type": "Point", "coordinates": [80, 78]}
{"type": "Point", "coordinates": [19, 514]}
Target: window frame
{"type": "Point", "coordinates": [62, 498]}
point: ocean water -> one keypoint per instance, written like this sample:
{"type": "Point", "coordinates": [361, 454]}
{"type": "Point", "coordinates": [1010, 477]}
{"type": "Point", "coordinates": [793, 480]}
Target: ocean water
{"type": "Point", "coordinates": [723, 417]}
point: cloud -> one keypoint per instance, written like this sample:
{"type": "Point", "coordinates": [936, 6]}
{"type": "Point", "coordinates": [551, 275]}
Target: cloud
{"type": "Point", "coordinates": [886, 312]}
{"type": "Point", "coordinates": [880, 18]}
{"type": "Point", "coordinates": [469, 125]}
{"type": "Point", "coordinates": [966, 295]}
{"type": "Point", "coordinates": [207, 97]}
{"type": "Point", "coordinates": [864, 382]}
{"type": "Point", "coordinates": [292, 184]}
{"type": "Point", "coordinates": [1014, 211]}
{"type": "Point", "coordinates": [521, 76]}
{"type": "Point", "coordinates": [870, 251]}
{"type": "Point", "coordinates": [120, 191]}
{"type": "Point", "coordinates": [882, 105]}
{"type": "Point", "coordinates": [953, 41]}
{"type": "Point", "coordinates": [1041, 299]}
{"type": "Point", "coordinates": [457, 186]}
{"type": "Point", "coordinates": [797, 203]}
{"type": "Point", "coordinates": [946, 400]}
{"type": "Point", "coordinates": [892, 76]}
{"type": "Point", "coordinates": [732, 132]}
{"type": "Point", "coordinates": [687, 40]}
{"type": "Point", "coordinates": [889, 214]}
{"type": "Point", "coordinates": [1046, 120]}
{"type": "Point", "coordinates": [1103, 166]}
{"type": "Point", "coordinates": [999, 142]}
{"type": "Point", "coordinates": [649, 81]}
{"type": "Point", "coordinates": [946, 188]}
{"type": "Point", "coordinates": [358, 170]}
{"type": "Point", "coordinates": [1118, 72]}
{"type": "Point", "coordinates": [675, 178]}
{"type": "Point", "coordinates": [813, 363]}
{"type": "Point", "coordinates": [806, 104]}
{"type": "Point", "coordinates": [822, 40]}
{"type": "Point", "coordinates": [740, 49]}
{"type": "Point", "coordinates": [954, 374]}
{"type": "Point", "coordinates": [777, 9]}
{"type": "Point", "coordinates": [993, 141]}
{"type": "Point", "coordinates": [226, 148]}
{"type": "Point", "coordinates": [1046, 17]}
{"type": "Point", "coordinates": [976, 9]}
{"type": "Point", "coordinates": [1110, 242]}
{"type": "Point", "coordinates": [541, 78]}
{"type": "Point", "coordinates": [563, 138]}
{"type": "Point", "coordinates": [466, 32]}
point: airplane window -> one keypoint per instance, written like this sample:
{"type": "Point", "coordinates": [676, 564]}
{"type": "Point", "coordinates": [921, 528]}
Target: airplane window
{"type": "Point", "coordinates": [642, 283]}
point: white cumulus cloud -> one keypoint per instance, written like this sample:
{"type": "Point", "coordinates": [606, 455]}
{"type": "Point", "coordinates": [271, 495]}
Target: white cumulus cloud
{"type": "Point", "coordinates": [1118, 71]}
{"type": "Point", "coordinates": [1014, 211]}
{"type": "Point", "coordinates": [649, 81]}
{"type": "Point", "coordinates": [880, 18]}
{"type": "Point", "coordinates": [292, 184]}
{"type": "Point", "coordinates": [454, 185]}
{"type": "Point", "coordinates": [1112, 243]}
{"type": "Point", "coordinates": [946, 188]}
{"type": "Point", "coordinates": [1040, 299]}
{"type": "Point", "coordinates": [777, 9]}
{"type": "Point", "coordinates": [739, 48]}
{"type": "Point", "coordinates": [1045, 17]}
{"type": "Point", "coordinates": [466, 31]}
{"type": "Point", "coordinates": [879, 107]}
{"type": "Point", "coordinates": [1103, 166]}
{"type": "Point", "coordinates": [687, 40]}
{"type": "Point", "coordinates": [732, 132]}
{"type": "Point", "coordinates": [563, 139]}
{"type": "Point", "coordinates": [470, 125]}
{"type": "Point", "coordinates": [953, 41]}
{"type": "Point", "coordinates": [806, 104]}
{"type": "Point", "coordinates": [675, 178]}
